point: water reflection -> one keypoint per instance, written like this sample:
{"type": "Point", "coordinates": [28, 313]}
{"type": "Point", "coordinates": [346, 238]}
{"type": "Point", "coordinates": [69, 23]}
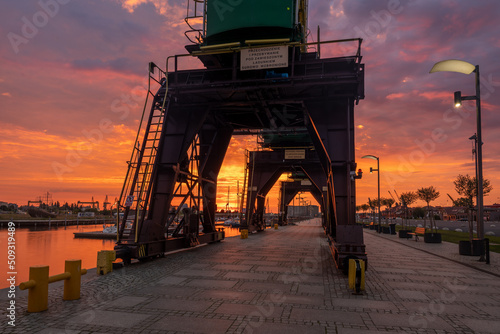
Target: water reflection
{"type": "Point", "coordinates": [43, 246]}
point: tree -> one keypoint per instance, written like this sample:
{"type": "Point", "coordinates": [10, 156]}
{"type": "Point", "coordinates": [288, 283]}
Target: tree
{"type": "Point", "coordinates": [387, 202]}
{"type": "Point", "coordinates": [428, 195]}
{"type": "Point", "coordinates": [373, 203]}
{"type": "Point", "coordinates": [466, 186]}
{"type": "Point", "coordinates": [407, 199]}
{"type": "Point", "coordinates": [364, 207]}
{"type": "Point", "coordinates": [419, 212]}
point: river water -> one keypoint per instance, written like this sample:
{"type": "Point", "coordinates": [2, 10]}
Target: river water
{"type": "Point", "coordinates": [39, 246]}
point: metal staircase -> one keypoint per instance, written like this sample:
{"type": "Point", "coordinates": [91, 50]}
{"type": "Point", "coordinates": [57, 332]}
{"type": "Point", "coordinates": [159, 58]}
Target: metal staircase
{"type": "Point", "coordinates": [136, 189]}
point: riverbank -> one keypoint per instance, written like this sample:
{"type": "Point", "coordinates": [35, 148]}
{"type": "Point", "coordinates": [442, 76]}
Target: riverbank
{"type": "Point", "coordinates": [57, 222]}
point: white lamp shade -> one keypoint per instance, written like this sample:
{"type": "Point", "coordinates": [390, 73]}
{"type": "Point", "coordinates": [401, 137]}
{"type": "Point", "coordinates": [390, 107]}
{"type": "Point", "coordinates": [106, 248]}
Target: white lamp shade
{"type": "Point", "coordinates": [453, 65]}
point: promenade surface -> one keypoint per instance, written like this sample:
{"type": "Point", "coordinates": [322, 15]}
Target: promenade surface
{"type": "Point", "coordinates": [281, 281]}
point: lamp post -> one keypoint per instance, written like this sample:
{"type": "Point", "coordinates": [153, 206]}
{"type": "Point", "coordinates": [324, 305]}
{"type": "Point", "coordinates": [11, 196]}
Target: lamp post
{"type": "Point", "coordinates": [378, 181]}
{"type": "Point", "coordinates": [474, 151]}
{"type": "Point", "coordinates": [464, 67]}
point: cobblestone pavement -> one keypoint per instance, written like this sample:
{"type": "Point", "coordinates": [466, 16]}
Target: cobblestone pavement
{"type": "Point", "coordinates": [278, 281]}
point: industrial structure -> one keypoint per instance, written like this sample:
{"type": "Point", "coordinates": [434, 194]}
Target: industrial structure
{"type": "Point", "coordinates": [260, 77]}
{"type": "Point", "coordinates": [290, 189]}
{"type": "Point", "coordinates": [95, 204]}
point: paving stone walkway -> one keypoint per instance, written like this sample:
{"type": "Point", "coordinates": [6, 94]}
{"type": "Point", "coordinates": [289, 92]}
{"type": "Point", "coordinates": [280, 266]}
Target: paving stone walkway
{"type": "Point", "coordinates": [280, 281]}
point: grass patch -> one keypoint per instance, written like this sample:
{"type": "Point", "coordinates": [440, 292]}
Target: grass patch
{"type": "Point", "coordinates": [495, 248]}
{"type": "Point", "coordinates": [455, 237]}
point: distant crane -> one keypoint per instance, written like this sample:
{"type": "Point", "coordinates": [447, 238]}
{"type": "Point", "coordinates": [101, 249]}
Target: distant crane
{"type": "Point", "coordinates": [452, 200]}
{"type": "Point", "coordinates": [93, 203]}
{"type": "Point", "coordinates": [392, 197]}
{"type": "Point", "coordinates": [106, 203]}
{"type": "Point", "coordinates": [397, 196]}
{"type": "Point", "coordinates": [47, 198]}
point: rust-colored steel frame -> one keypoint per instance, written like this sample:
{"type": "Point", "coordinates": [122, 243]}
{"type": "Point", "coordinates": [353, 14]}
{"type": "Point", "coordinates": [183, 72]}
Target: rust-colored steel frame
{"type": "Point", "coordinates": [205, 106]}
{"type": "Point", "coordinates": [288, 191]}
{"type": "Point", "coordinates": [265, 168]}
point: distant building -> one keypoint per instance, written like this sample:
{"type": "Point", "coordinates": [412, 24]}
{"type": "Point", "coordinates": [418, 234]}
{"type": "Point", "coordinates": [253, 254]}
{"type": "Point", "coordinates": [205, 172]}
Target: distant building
{"type": "Point", "coordinates": [454, 213]}
{"type": "Point", "coordinates": [8, 206]}
{"type": "Point", "coordinates": [492, 212]}
{"type": "Point", "coordinates": [303, 211]}
{"type": "Point", "coordinates": [86, 214]}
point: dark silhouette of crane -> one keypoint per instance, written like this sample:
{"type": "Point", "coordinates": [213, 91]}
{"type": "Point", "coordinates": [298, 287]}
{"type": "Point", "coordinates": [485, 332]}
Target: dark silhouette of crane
{"type": "Point", "coordinates": [93, 203]}
{"type": "Point", "coordinates": [105, 203]}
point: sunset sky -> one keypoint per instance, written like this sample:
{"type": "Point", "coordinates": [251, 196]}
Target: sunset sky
{"type": "Point", "coordinates": [72, 77]}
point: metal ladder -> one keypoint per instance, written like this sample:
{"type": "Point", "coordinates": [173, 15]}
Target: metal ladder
{"type": "Point", "coordinates": [136, 189]}
{"type": "Point", "coordinates": [196, 12]}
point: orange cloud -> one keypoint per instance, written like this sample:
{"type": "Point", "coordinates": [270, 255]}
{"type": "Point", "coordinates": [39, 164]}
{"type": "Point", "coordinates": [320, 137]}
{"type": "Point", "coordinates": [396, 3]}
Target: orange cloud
{"type": "Point", "coordinates": [69, 167]}
{"type": "Point", "coordinates": [435, 95]}
{"type": "Point", "coordinates": [395, 96]}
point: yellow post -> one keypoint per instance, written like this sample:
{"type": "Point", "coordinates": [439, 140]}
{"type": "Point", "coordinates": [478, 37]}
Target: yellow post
{"type": "Point", "coordinates": [105, 261]}
{"type": "Point", "coordinates": [244, 234]}
{"type": "Point", "coordinates": [72, 279]}
{"type": "Point", "coordinates": [356, 276]}
{"type": "Point", "coordinates": [111, 257]}
{"type": "Point", "coordinates": [38, 285]}
{"type": "Point", "coordinates": [275, 226]}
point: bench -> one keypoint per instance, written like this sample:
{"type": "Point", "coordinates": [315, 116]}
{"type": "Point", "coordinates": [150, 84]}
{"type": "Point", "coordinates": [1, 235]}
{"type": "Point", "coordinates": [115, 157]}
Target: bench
{"type": "Point", "coordinates": [418, 231]}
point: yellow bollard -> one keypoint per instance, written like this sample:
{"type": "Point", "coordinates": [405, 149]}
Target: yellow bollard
{"type": "Point", "coordinates": [72, 282]}
{"type": "Point", "coordinates": [275, 226]}
{"type": "Point", "coordinates": [356, 276]}
{"type": "Point", "coordinates": [244, 234]}
{"type": "Point", "coordinates": [38, 285]}
{"type": "Point", "coordinates": [105, 261]}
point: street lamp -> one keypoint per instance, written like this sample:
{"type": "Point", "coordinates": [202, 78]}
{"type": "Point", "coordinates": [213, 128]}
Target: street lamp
{"type": "Point", "coordinates": [378, 175]}
{"type": "Point", "coordinates": [464, 67]}
{"type": "Point", "coordinates": [474, 151]}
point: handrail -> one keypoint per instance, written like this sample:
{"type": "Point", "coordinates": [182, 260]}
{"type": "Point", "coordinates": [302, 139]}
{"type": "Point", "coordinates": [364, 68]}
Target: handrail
{"type": "Point", "coordinates": [253, 46]}
{"type": "Point", "coordinates": [133, 163]}
{"type": "Point", "coordinates": [231, 48]}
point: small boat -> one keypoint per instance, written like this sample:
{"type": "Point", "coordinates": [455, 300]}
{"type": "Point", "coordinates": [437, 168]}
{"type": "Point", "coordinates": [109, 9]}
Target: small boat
{"type": "Point", "coordinates": [219, 222]}
{"type": "Point", "coordinates": [109, 229]}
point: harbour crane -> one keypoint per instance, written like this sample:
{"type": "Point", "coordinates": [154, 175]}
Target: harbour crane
{"type": "Point", "coordinates": [392, 197]}
{"type": "Point", "coordinates": [259, 74]}
{"type": "Point", "coordinates": [106, 203]}
{"type": "Point", "coordinates": [397, 196]}
{"type": "Point", "coordinates": [93, 203]}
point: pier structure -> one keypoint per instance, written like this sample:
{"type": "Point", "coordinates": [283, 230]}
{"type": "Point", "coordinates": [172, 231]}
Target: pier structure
{"type": "Point", "coordinates": [173, 173]}
{"type": "Point", "coordinates": [266, 167]}
{"type": "Point", "coordinates": [279, 86]}
{"type": "Point", "coordinates": [288, 191]}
